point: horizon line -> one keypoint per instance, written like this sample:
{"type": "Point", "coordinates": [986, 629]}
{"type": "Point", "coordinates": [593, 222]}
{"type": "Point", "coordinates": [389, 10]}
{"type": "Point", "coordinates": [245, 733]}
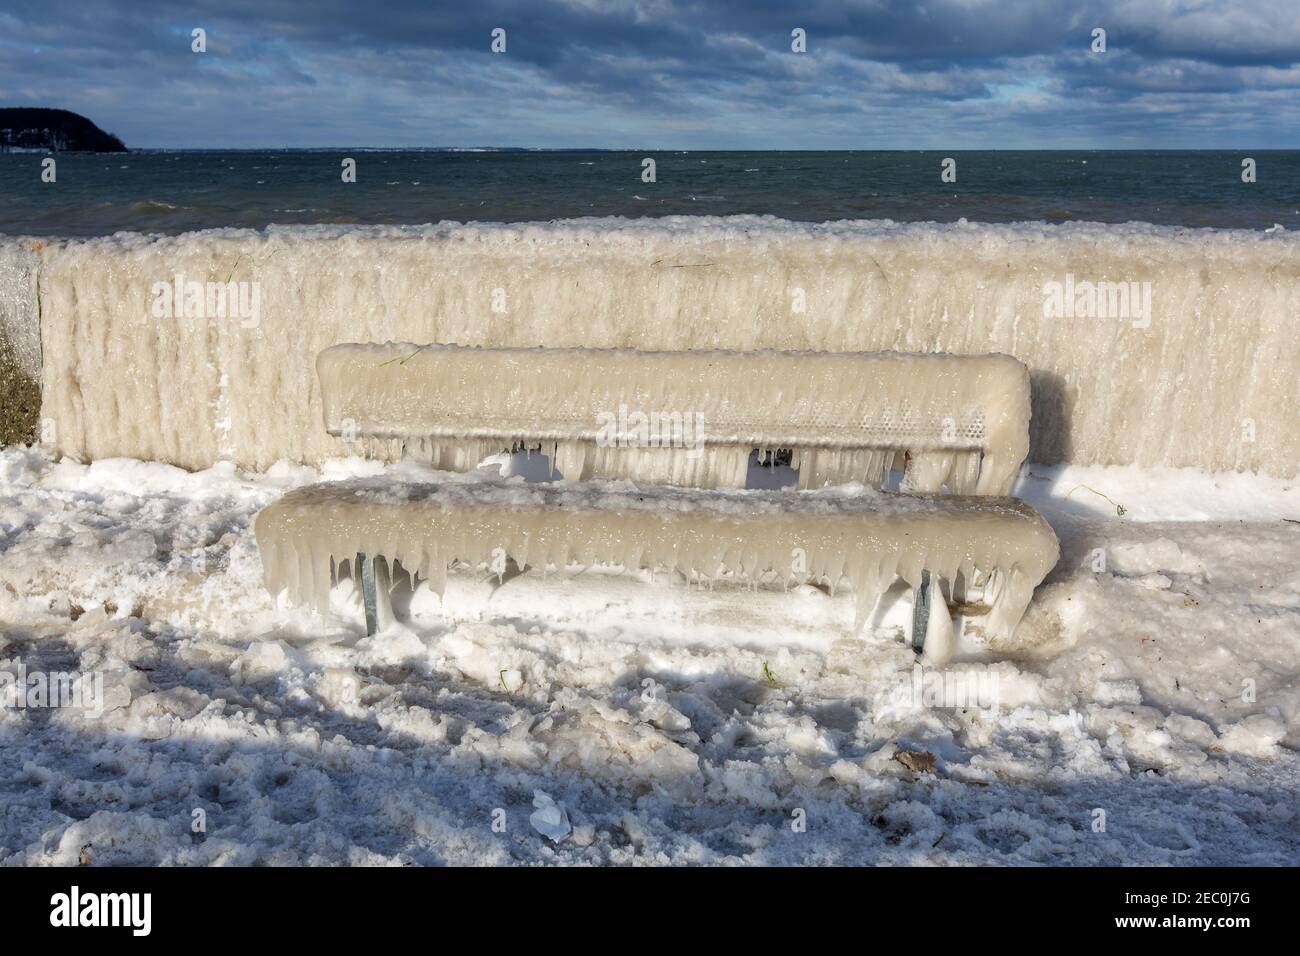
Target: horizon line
{"type": "Point", "coordinates": [730, 149]}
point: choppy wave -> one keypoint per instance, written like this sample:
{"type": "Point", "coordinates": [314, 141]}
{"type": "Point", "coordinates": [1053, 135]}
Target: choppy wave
{"type": "Point", "coordinates": [186, 191]}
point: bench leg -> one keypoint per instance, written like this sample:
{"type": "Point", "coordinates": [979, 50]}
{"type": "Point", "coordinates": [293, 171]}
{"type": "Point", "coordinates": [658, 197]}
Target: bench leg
{"type": "Point", "coordinates": [368, 594]}
{"type": "Point", "coordinates": [921, 612]}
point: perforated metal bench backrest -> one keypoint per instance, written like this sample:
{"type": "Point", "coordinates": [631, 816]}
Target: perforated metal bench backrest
{"type": "Point", "coordinates": [691, 418]}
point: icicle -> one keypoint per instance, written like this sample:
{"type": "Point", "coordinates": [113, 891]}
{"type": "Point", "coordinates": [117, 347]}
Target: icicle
{"type": "Point", "coordinates": [302, 586]}
{"type": "Point", "coordinates": [320, 563]}
{"type": "Point", "coordinates": [940, 639]}
{"type": "Point", "coordinates": [966, 471]}
{"type": "Point", "coordinates": [927, 472]}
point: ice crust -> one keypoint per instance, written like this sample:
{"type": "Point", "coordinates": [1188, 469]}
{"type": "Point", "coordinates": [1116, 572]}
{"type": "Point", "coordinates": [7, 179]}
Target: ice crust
{"type": "Point", "coordinates": [844, 415]}
{"type": "Point", "coordinates": [998, 546]}
{"type": "Point", "coordinates": [1209, 383]}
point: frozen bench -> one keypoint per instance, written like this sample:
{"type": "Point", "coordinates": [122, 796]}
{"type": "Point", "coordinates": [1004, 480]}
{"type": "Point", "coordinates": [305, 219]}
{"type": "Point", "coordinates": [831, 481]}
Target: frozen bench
{"type": "Point", "coordinates": [962, 422]}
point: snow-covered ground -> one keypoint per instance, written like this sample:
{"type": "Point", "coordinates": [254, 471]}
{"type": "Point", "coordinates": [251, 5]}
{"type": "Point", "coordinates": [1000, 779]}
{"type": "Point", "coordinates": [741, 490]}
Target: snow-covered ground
{"type": "Point", "coordinates": [1149, 712]}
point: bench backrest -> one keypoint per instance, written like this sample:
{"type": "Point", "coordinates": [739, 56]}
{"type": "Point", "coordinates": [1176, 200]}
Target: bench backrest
{"type": "Point", "coordinates": [692, 418]}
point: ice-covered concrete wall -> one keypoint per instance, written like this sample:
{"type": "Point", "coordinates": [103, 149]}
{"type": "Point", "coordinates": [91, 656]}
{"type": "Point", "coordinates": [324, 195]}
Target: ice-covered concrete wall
{"type": "Point", "coordinates": [1206, 376]}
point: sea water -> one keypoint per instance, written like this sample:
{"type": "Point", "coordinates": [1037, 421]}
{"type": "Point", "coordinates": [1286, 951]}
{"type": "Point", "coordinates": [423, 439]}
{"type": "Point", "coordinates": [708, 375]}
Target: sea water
{"type": "Point", "coordinates": [171, 192]}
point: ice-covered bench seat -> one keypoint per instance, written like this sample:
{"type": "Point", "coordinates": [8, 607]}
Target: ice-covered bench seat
{"type": "Point", "coordinates": [962, 421]}
{"type": "Point", "coordinates": [996, 548]}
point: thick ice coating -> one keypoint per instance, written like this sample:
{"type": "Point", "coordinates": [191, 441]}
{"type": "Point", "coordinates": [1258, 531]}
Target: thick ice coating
{"type": "Point", "coordinates": [691, 418]}
{"type": "Point", "coordinates": [999, 546]}
{"type": "Point", "coordinates": [1204, 378]}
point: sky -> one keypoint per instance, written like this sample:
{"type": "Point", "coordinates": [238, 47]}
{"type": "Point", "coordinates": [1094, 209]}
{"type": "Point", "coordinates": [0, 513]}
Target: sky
{"type": "Point", "coordinates": [664, 74]}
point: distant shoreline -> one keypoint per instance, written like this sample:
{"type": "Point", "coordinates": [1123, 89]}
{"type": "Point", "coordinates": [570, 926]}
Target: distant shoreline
{"type": "Point", "coordinates": [37, 129]}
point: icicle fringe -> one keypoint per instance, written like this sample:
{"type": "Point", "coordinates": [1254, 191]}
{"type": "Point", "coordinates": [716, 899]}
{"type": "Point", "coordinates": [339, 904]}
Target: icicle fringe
{"type": "Point", "coordinates": [866, 538]}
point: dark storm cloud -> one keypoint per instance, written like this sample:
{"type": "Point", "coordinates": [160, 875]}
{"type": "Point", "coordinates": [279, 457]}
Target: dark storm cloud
{"type": "Point", "coordinates": [662, 73]}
